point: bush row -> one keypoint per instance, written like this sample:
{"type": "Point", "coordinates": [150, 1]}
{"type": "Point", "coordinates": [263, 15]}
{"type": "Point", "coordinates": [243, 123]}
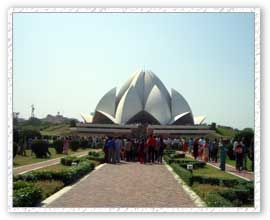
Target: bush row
{"type": "Point", "coordinates": [26, 194]}
{"type": "Point", "coordinates": [183, 173]}
{"type": "Point", "coordinates": [67, 176]}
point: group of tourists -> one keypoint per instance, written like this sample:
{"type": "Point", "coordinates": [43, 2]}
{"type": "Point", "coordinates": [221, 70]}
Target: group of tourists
{"type": "Point", "coordinates": [148, 150]}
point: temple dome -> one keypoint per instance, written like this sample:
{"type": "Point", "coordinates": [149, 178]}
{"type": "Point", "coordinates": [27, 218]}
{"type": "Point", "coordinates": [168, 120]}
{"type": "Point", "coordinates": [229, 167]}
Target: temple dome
{"type": "Point", "coordinates": [143, 98]}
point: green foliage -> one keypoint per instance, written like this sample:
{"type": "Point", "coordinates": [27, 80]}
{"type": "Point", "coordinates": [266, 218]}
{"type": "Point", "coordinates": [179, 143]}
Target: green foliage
{"type": "Point", "coordinates": [74, 145]}
{"type": "Point", "coordinates": [66, 176]}
{"type": "Point", "coordinates": [40, 148]}
{"type": "Point", "coordinates": [72, 123]}
{"type": "Point", "coordinates": [183, 173]}
{"type": "Point", "coordinates": [246, 133]}
{"type": "Point", "coordinates": [67, 161]}
{"type": "Point", "coordinates": [27, 133]}
{"type": "Point", "coordinates": [213, 199]}
{"type": "Point", "coordinates": [15, 149]}
{"type": "Point", "coordinates": [26, 194]}
{"type": "Point", "coordinates": [84, 144]}
{"type": "Point", "coordinates": [58, 145]}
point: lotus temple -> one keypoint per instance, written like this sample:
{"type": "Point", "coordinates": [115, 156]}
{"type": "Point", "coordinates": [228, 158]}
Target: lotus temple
{"type": "Point", "coordinates": [143, 99]}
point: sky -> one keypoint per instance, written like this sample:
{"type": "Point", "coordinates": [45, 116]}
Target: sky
{"type": "Point", "coordinates": [67, 61]}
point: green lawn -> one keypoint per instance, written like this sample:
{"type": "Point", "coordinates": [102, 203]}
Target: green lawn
{"type": "Point", "coordinates": [28, 159]}
{"type": "Point", "coordinates": [226, 132]}
{"type": "Point", "coordinates": [57, 130]}
{"type": "Point", "coordinates": [210, 171]}
{"type": "Point", "coordinates": [49, 187]}
{"type": "Point", "coordinates": [203, 189]}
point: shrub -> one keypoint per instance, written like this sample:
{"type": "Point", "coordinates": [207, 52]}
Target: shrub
{"type": "Point", "coordinates": [15, 149]}
{"type": "Point", "coordinates": [67, 161]}
{"type": "Point", "coordinates": [74, 145]}
{"type": "Point", "coordinates": [67, 176]}
{"type": "Point", "coordinates": [238, 197]}
{"type": "Point", "coordinates": [40, 148]}
{"type": "Point", "coordinates": [84, 144]}
{"type": "Point", "coordinates": [206, 180]}
{"type": "Point", "coordinates": [27, 196]}
{"type": "Point", "coordinates": [22, 184]}
{"type": "Point", "coordinates": [213, 199]}
{"type": "Point", "coordinates": [58, 145]}
{"type": "Point", "coordinates": [183, 173]}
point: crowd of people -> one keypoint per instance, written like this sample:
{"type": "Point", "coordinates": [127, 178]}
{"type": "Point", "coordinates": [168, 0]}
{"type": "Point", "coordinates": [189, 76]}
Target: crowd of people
{"type": "Point", "coordinates": [148, 150]}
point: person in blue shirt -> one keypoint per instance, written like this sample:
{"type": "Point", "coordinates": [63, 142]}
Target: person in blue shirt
{"type": "Point", "coordinates": [111, 150]}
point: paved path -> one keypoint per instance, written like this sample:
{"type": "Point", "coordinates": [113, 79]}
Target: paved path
{"type": "Point", "coordinates": [34, 166]}
{"type": "Point", "coordinates": [126, 185]}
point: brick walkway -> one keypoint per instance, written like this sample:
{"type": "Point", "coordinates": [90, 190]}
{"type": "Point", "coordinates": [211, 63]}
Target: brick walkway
{"type": "Point", "coordinates": [34, 166]}
{"type": "Point", "coordinates": [126, 185]}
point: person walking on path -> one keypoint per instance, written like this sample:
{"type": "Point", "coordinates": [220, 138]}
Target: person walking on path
{"type": "Point", "coordinates": [118, 146]}
{"type": "Point", "coordinates": [151, 142]}
{"type": "Point", "coordinates": [222, 154]}
{"type": "Point", "coordinates": [239, 157]}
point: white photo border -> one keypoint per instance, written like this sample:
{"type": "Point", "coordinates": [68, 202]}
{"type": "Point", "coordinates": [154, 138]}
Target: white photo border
{"type": "Point", "coordinates": [257, 54]}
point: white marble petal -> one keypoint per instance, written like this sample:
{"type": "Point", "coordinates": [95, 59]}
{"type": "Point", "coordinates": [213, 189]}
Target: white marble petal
{"type": "Point", "coordinates": [107, 103]}
{"type": "Point", "coordinates": [157, 106]}
{"type": "Point", "coordinates": [129, 105]}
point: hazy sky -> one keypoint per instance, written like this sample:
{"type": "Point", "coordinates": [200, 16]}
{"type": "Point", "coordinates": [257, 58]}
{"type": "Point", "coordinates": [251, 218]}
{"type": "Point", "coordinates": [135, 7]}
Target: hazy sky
{"type": "Point", "coordinates": [67, 61]}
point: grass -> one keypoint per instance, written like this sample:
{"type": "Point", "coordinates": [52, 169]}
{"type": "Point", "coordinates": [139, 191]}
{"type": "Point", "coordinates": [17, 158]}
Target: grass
{"type": "Point", "coordinates": [203, 189]}
{"type": "Point", "coordinates": [210, 171]}
{"type": "Point", "coordinates": [28, 159]}
{"type": "Point", "coordinates": [57, 130]}
{"type": "Point", "coordinates": [49, 187]}
{"type": "Point", "coordinates": [55, 167]}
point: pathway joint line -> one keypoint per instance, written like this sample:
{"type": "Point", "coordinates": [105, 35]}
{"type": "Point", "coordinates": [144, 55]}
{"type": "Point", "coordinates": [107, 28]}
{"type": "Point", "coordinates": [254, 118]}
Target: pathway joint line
{"type": "Point", "coordinates": [193, 196]}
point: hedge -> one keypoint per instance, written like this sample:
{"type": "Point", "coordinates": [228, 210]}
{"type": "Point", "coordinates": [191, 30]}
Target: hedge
{"type": "Point", "coordinates": [67, 176]}
{"type": "Point", "coordinates": [67, 161]}
{"type": "Point", "coordinates": [214, 199]}
{"type": "Point", "coordinates": [183, 173]}
{"type": "Point", "coordinates": [74, 145]}
{"type": "Point", "coordinates": [26, 194]}
{"type": "Point", "coordinates": [59, 146]}
{"type": "Point", "coordinates": [40, 148]}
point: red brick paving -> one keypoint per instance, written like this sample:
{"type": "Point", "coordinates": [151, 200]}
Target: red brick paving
{"type": "Point", "coordinates": [126, 185]}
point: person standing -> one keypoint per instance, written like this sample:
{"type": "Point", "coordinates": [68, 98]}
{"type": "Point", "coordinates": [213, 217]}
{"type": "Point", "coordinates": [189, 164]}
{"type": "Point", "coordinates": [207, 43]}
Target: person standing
{"type": "Point", "coordinates": [195, 149]}
{"type": "Point", "coordinates": [239, 157]}
{"type": "Point", "coordinates": [243, 143]}
{"type": "Point", "coordinates": [118, 146]}
{"type": "Point", "coordinates": [222, 154]}
{"type": "Point", "coordinates": [214, 150]}
{"type": "Point", "coordinates": [161, 149]}
{"type": "Point", "coordinates": [141, 151]}
{"type": "Point", "coordinates": [156, 149]}
{"type": "Point", "coordinates": [111, 150]}
{"type": "Point", "coordinates": [151, 142]}
{"type": "Point", "coordinates": [206, 150]}
{"type": "Point", "coordinates": [190, 145]}
{"type": "Point", "coordinates": [128, 149]}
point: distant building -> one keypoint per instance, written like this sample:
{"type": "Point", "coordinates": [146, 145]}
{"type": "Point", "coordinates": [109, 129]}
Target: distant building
{"type": "Point", "coordinates": [58, 119]}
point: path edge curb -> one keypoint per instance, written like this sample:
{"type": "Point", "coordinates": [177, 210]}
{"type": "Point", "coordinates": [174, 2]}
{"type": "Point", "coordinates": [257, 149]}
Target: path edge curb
{"type": "Point", "coordinates": [193, 196]}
